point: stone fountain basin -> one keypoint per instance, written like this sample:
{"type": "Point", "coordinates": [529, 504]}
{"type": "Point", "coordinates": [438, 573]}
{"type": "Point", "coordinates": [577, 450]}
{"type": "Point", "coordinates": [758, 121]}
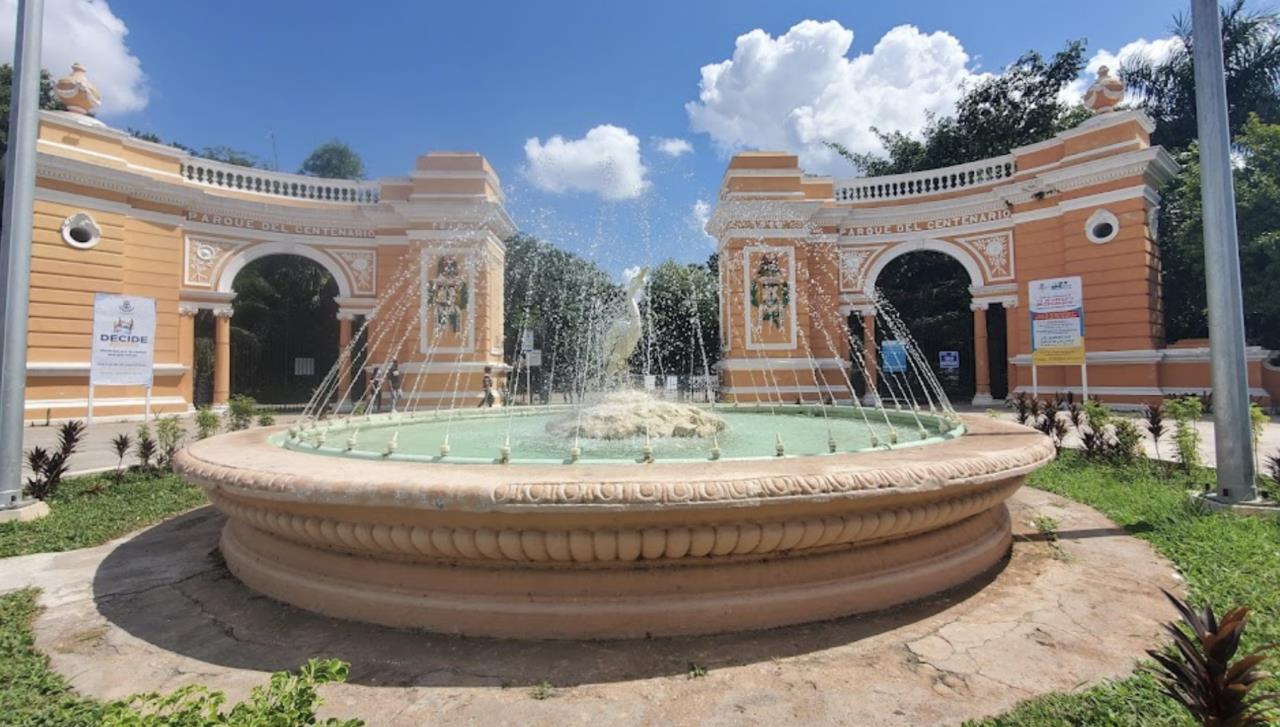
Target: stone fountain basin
{"type": "Point", "coordinates": [613, 550]}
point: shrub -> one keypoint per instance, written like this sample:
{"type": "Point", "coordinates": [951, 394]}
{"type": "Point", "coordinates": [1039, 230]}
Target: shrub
{"type": "Point", "coordinates": [289, 698]}
{"type": "Point", "coordinates": [144, 447]}
{"type": "Point", "coordinates": [1203, 675]}
{"type": "Point", "coordinates": [241, 410]}
{"type": "Point", "coordinates": [121, 444]}
{"type": "Point", "coordinates": [170, 435]}
{"type": "Point", "coordinates": [1273, 472]}
{"type": "Point", "coordinates": [1186, 412]}
{"type": "Point", "coordinates": [48, 468]}
{"type": "Point", "coordinates": [207, 423]}
{"type": "Point", "coordinates": [1108, 437]}
{"type": "Point", "coordinates": [1025, 406]}
{"type": "Point", "coordinates": [1154, 416]}
{"type": "Point", "coordinates": [266, 418]}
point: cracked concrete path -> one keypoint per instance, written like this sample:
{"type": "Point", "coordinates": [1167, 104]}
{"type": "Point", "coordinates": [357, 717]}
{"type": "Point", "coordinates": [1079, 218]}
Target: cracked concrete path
{"type": "Point", "coordinates": [158, 610]}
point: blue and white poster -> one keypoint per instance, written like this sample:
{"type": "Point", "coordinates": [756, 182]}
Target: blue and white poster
{"type": "Point", "coordinates": [124, 340]}
{"type": "Point", "coordinates": [949, 360]}
{"type": "Point", "coordinates": [893, 355]}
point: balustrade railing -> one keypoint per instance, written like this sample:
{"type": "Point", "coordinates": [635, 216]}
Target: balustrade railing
{"type": "Point", "coordinates": [221, 175]}
{"type": "Point", "coordinates": [933, 181]}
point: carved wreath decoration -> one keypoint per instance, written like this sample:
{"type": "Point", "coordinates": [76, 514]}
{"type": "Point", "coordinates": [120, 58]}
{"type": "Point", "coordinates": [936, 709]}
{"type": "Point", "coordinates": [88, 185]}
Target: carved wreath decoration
{"type": "Point", "coordinates": [770, 292]}
{"type": "Point", "coordinates": [449, 294]}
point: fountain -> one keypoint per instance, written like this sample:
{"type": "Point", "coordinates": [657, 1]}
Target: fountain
{"type": "Point", "coordinates": [621, 514]}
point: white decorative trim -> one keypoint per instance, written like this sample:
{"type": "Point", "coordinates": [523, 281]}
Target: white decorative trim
{"type": "Point", "coordinates": [77, 368]}
{"type": "Point", "coordinates": [435, 367]}
{"type": "Point", "coordinates": [103, 402]}
{"type": "Point", "coordinates": [245, 254]}
{"type": "Point", "coordinates": [1152, 356]}
{"type": "Point", "coordinates": [785, 389]}
{"type": "Point", "coordinates": [961, 255]}
{"type": "Point", "coordinates": [779, 364]}
{"type": "Point", "coordinates": [1150, 391]}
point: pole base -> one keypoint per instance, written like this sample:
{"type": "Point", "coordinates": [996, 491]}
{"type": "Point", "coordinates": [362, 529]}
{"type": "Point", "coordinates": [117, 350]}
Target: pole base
{"type": "Point", "coordinates": [1254, 508]}
{"type": "Point", "coordinates": [24, 511]}
{"type": "Point", "coordinates": [983, 399]}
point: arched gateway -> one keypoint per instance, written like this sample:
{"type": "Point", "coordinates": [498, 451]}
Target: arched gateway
{"type": "Point", "coordinates": [116, 214]}
{"type": "Point", "coordinates": [799, 253]}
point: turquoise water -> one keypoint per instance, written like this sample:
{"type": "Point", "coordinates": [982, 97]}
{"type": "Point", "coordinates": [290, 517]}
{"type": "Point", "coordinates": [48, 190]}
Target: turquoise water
{"type": "Point", "coordinates": [477, 437]}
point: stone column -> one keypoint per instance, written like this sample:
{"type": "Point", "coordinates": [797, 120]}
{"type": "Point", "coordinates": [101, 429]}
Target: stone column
{"type": "Point", "coordinates": [869, 354]}
{"type": "Point", "coordinates": [1010, 346]}
{"type": "Point", "coordinates": [344, 357]}
{"type": "Point", "coordinates": [186, 350]}
{"type": "Point", "coordinates": [981, 366]}
{"type": "Point", "coordinates": [221, 355]}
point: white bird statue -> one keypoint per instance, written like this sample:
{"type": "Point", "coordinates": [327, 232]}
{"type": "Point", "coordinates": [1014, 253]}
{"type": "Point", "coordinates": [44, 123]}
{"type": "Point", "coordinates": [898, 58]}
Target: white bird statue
{"type": "Point", "coordinates": [624, 333]}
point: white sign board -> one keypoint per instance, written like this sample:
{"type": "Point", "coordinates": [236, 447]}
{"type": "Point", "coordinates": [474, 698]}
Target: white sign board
{"type": "Point", "coordinates": [1057, 321]}
{"type": "Point", "coordinates": [650, 381]}
{"type": "Point", "coordinates": [526, 339]}
{"type": "Point", "coordinates": [533, 358]}
{"type": "Point", "coordinates": [124, 340]}
{"type": "Point", "coordinates": [673, 383]}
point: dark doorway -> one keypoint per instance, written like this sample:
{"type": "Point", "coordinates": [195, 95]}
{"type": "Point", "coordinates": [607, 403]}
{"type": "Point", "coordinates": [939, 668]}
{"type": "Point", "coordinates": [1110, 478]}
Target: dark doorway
{"type": "Point", "coordinates": [284, 332]}
{"type": "Point", "coordinates": [931, 293]}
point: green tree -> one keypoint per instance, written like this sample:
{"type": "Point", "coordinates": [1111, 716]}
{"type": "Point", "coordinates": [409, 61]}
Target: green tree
{"type": "Point", "coordinates": [227, 155]}
{"type": "Point", "coordinates": [1181, 226]}
{"type": "Point", "coordinates": [1017, 107]}
{"type": "Point", "coordinates": [284, 309]}
{"type": "Point", "coordinates": [565, 300]}
{"type": "Point", "coordinates": [681, 311]}
{"type": "Point", "coordinates": [1251, 51]}
{"type": "Point", "coordinates": [333, 160]}
{"type": "Point", "coordinates": [47, 100]}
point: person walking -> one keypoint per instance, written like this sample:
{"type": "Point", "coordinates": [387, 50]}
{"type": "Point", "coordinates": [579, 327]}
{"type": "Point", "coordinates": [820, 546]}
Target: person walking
{"type": "Point", "coordinates": [488, 397]}
{"type": "Point", "coordinates": [375, 394]}
{"type": "Point", "coordinates": [393, 380]}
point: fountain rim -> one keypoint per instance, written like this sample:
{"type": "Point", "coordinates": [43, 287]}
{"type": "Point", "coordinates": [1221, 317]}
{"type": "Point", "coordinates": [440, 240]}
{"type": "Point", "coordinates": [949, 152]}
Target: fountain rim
{"type": "Point", "coordinates": [285, 438]}
{"type": "Point", "coordinates": [247, 464]}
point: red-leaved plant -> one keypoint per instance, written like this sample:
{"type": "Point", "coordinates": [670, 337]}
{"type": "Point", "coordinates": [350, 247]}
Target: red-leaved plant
{"type": "Point", "coordinates": [1203, 676]}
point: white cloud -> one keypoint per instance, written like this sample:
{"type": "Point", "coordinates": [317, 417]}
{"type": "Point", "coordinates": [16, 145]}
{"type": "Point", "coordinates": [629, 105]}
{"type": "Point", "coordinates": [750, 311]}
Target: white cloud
{"type": "Point", "coordinates": [85, 32]}
{"type": "Point", "coordinates": [698, 216]}
{"type": "Point", "coordinates": [1156, 51]}
{"type": "Point", "coordinates": [606, 162]}
{"type": "Point", "coordinates": [672, 147]}
{"type": "Point", "coordinates": [801, 89]}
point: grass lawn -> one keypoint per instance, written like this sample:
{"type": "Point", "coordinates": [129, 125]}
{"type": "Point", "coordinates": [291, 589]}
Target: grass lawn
{"type": "Point", "coordinates": [91, 510]}
{"type": "Point", "coordinates": [30, 692]}
{"type": "Point", "coordinates": [1226, 560]}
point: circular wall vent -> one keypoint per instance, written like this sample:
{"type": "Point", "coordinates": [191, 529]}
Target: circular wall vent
{"type": "Point", "coordinates": [81, 232]}
{"type": "Point", "coordinates": [1101, 227]}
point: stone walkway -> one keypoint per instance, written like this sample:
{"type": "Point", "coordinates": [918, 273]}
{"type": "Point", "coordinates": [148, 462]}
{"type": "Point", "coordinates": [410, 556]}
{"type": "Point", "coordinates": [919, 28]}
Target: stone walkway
{"type": "Point", "coordinates": [158, 610]}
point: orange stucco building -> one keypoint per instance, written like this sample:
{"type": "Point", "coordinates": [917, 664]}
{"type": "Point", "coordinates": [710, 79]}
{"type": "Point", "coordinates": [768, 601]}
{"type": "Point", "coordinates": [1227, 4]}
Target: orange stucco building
{"type": "Point", "coordinates": [800, 256]}
{"type": "Point", "coordinates": [116, 214]}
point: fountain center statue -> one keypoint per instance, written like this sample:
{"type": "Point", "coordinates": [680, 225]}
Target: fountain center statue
{"type": "Point", "coordinates": [627, 413]}
{"type": "Point", "coordinates": [624, 334]}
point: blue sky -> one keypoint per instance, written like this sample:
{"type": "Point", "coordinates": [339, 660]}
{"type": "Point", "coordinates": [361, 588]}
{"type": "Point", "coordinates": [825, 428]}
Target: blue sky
{"type": "Point", "coordinates": [396, 79]}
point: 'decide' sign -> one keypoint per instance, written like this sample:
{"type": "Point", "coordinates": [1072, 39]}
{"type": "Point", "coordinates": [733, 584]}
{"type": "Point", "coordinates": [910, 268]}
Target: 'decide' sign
{"type": "Point", "coordinates": [124, 340]}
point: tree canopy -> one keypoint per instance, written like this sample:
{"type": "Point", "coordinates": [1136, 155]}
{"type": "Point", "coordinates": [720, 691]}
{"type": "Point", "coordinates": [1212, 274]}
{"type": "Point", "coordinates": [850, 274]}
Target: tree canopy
{"type": "Point", "coordinates": [1251, 54]}
{"type": "Point", "coordinates": [333, 160]}
{"type": "Point", "coordinates": [47, 100]}
{"type": "Point", "coordinates": [1017, 107]}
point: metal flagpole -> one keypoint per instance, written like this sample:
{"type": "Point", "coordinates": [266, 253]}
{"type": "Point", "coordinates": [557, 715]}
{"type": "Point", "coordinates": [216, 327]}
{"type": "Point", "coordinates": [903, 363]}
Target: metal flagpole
{"type": "Point", "coordinates": [1232, 429]}
{"type": "Point", "coordinates": [15, 245]}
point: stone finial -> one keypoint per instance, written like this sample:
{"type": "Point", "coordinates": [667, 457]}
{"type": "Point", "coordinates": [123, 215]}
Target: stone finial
{"type": "Point", "coordinates": [1106, 92]}
{"type": "Point", "coordinates": [76, 92]}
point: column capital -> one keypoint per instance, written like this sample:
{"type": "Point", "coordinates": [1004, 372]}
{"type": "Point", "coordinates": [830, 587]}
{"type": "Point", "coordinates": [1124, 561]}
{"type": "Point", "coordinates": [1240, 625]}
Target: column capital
{"type": "Point", "coordinates": [346, 315]}
{"type": "Point", "coordinates": [222, 311]}
{"type": "Point", "coordinates": [188, 309]}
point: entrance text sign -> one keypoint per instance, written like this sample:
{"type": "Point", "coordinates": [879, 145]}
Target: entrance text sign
{"type": "Point", "coordinates": [1057, 322]}
{"type": "Point", "coordinates": [894, 355]}
{"type": "Point", "coordinates": [948, 360]}
{"type": "Point", "coordinates": [124, 340]}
